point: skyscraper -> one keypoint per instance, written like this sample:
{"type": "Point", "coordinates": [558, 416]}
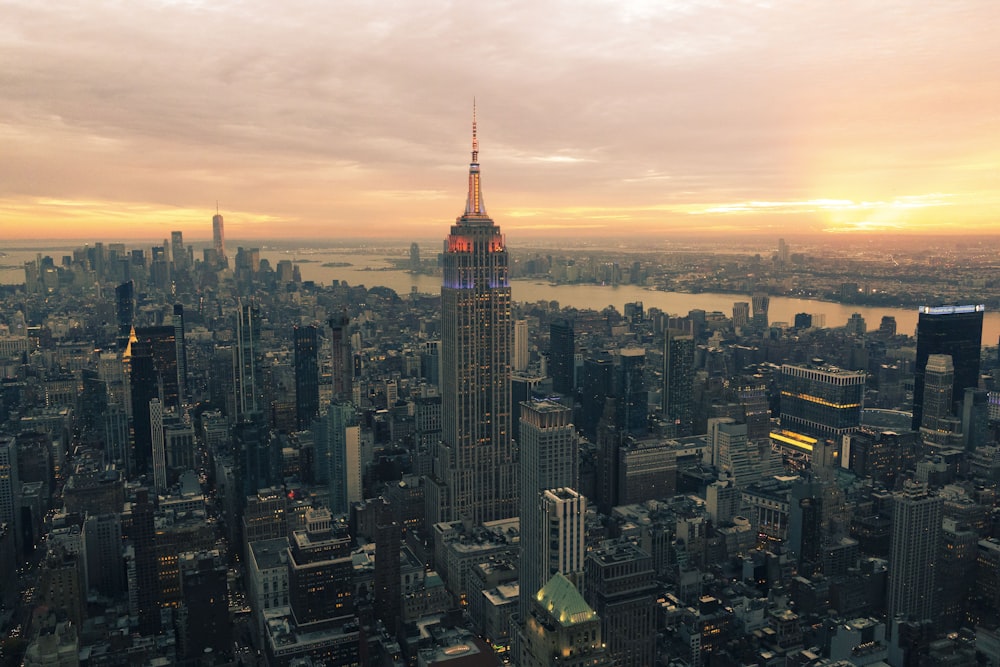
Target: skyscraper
{"type": "Point", "coordinates": [939, 379]}
{"type": "Point", "coordinates": [954, 330]}
{"type": "Point", "coordinates": [520, 361]}
{"type": "Point", "coordinates": [678, 382]}
{"type": "Point", "coordinates": [125, 311]}
{"type": "Point", "coordinates": [549, 460]}
{"type": "Point", "coordinates": [630, 392]}
{"type": "Point", "coordinates": [476, 477]}
{"type": "Point", "coordinates": [561, 356]}
{"type": "Point", "coordinates": [151, 356]}
{"type": "Point", "coordinates": [219, 238]}
{"type": "Point", "coordinates": [341, 368]}
{"type": "Point", "coordinates": [914, 547]}
{"type": "Point", "coordinates": [306, 345]}
{"type": "Point", "coordinates": [248, 390]}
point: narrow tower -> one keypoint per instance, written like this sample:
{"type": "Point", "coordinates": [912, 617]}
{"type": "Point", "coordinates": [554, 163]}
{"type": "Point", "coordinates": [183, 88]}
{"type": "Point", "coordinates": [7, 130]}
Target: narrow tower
{"type": "Point", "coordinates": [475, 477]}
{"type": "Point", "coordinates": [219, 236]}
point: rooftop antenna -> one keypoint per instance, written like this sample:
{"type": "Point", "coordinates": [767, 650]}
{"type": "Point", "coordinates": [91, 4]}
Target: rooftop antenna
{"type": "Point", "coordinates": [475, 139]}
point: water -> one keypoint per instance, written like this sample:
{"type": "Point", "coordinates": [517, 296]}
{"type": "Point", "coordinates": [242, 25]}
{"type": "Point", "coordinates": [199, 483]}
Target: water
{"type": "Point", "coordinates": [372, 268]}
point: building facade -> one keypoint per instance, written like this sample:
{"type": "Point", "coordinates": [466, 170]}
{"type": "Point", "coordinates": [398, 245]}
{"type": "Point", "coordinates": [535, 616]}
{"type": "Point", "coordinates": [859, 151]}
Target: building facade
{"type": "Point", "coordinates": [475, 476]}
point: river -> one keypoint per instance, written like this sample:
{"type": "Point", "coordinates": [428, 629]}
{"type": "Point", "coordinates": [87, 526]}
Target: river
{"type": "Point", "coordinates": [372, 269]}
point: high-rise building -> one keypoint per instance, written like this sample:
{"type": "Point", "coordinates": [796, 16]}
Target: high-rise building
{"type": "Point", "coordinates": [219, 238]}
{"type": "Point", "coordinates": [159, 446]}
{"type": "Point", "coordinates": [761, 302]}
{"type": "Point", "coordinates": [914, 548]}
{"type": "Point", "coordinates": [476, 476]}
{"type": "Point", "coordinates": [562, 629]}
{"type": "Point", "coordinates": [975, 418]}
{"type": "Point", "coordinates": [631, 396]}
{"type": "Point", "coordinates": [102, 540]}
{"type": "Point", "coordinates": [561, 356]}
{"type": "Point", "coordinates": [621, 588]}
{"type": "Point", "coordinates": [520, 352]}
{"type": "Point", "coordinates": [549, 460]}
{"type": "Point", "coordinates": [741, 314]}
{"type": "Point", "coordinates": [824, 401]}
{"type": "Point", "coordinates": [338, 455]}
{"type": "Point", "coordinates": [341, 367]}
{"type": "Point", "coordinates": [181, 353]}
{"type": "Point", "coordinates": [939, 378]}
{"type": "Point", "coordinates": [678, 382]}
{"type": "Point", "coordinates": [151, 356]}
{"type": "Point", "coordinates": [954, 330]}
{"type": "Point", "coordinates": [320, 585]}
{"type": "Point", "coordinates": [125, 311]}
{"type": "Point", "coordinates": [306, 346]}
{"type": "Point", "coordinates": [247, 385]}
{"type": "Point", "coordinates": [10, 485]}
{"type": "Point", "coordinates": [414, 256]}
{"type": "Point", "coordinates": [177, 252]}
{"type": "Point", "coordinates": [597, 385]}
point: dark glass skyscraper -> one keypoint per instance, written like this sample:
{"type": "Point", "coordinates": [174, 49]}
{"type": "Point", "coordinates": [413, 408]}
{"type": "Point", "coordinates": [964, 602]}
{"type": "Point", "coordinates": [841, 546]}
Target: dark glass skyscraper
{"type": "Point", "coordinates": [248, 389]}
{"type": "Point", "coordinates": [954, 330]}
{"type": "Point", "coordinates": [306, 345]}
{"type": "Point", "coordinates": [561, 355]}
{"type": "Point", "coordinates": [476, 477]}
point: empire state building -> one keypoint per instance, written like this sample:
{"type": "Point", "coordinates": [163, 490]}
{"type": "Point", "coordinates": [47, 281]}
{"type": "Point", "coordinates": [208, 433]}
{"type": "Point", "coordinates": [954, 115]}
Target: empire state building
{"type": "Point", "coordinates": [475, 474]}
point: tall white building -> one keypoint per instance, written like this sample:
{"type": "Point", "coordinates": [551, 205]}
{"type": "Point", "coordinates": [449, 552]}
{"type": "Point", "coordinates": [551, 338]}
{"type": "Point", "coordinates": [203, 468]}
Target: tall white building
{"type": "Point", "coordinates": [475, 476]}
{"type": "Point", "coordinates": [549, 460]}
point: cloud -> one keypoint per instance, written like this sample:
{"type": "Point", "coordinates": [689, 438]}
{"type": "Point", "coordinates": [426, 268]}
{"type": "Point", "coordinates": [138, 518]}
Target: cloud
{"type": "Point", "coordinates": [332, 114]}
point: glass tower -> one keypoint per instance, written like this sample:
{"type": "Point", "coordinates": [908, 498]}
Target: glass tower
{"type": "Point", "coordinates": [953, 330]}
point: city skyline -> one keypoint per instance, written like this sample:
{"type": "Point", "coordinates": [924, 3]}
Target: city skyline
{"type": "Point", "coordinates": [333, 121]}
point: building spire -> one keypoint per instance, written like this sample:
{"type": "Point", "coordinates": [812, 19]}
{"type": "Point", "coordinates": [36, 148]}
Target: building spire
{"type": "Point", "coordinates": [474, 205]}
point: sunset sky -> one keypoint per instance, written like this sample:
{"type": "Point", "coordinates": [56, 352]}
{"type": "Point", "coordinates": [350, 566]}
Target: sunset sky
{"type": "Point", "coordinates": [319, 119]}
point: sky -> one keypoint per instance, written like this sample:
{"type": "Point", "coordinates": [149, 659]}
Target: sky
{"type": "Point", "coordinates": [349, 119]}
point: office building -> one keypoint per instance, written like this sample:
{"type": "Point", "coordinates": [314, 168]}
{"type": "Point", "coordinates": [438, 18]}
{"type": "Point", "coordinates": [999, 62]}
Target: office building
{"type": "Point", "coordinates": [939, 380]}
{"type": "Point", "coordinates": [125, 311]}
{"type": "Point", "coordinates": [821, 401]}
{"type": "Point", "coordinates": [597, 386]}
{"type": "Point", "coordinates": [158, 446]}
{"type": "Point", "coordinates": [562, 363]}
{"type": "Point", "coordinates": [476, 477]}
{"type": "Point", "coordinates": [562, 629]}
{"type": "Point", "coordinates": [248, 390]}
{"type": "Point", "coordinates": [204, 623]}
{"type": "Point", "coordinates": [306, 347]}
{"type": "Point", "coordinates": [341, 364]}
{"type": "Point", "coordinates": [914, 550]}
{"type": "Point", "coordinates": [632, 399]}
{"type": "Point", "coordinates": [320, 570]}
{"type": "Point", "coordinates": [975, 419]}
{"type": "Point", "coordinates": [621, 588]}
{"type": "Point", "coordinates": [521, 357]}
{"type": "Point", "coordinates": [952, 330]}
{"type": "Point", "coordinates": [151, 356]}
{"type": "Point", "coordinates": [741, 314]}
{"type": "Point", "coordinates": [102, 543]}
{"type": "Point", "coordinates": [678, 382]}
{"type": "Point", "coordinates": [549, 460]}
{"type": "Point", "coordinates": [10, 487]}
{"type": "Point", "coordinates": [761, 302]}
{"type": "Point", "coordinates": [219, 239]}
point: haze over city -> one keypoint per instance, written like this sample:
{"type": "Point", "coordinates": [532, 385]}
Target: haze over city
{"type": "Point", "coordinates": [340, 120]}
